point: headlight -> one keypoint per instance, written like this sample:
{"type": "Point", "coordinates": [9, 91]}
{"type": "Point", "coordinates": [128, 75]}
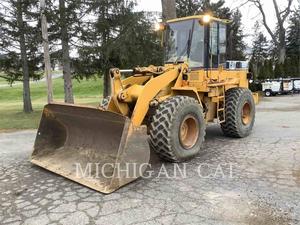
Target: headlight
{"type": "Point", "coordinates": [206, 18]}
{"type": "Point", "coordinates": [159, 26]}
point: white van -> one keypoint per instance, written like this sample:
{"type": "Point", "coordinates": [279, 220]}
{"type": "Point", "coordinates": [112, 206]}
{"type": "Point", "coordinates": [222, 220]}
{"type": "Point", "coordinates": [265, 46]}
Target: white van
{"type": "Point", "coordinates": [271, 87]}
{"type": "Point", "coordinates": [296, 87]}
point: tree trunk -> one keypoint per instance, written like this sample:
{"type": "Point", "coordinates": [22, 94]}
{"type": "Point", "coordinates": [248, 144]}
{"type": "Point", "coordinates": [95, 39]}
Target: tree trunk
{"type": "Point", "coordinates": [65, 54]}
{"type": "Point", "coordinates": [107, 85]}
{"type": "Point", "coordinates": [168, 9]}
{"type": "Point", "coordinates": [282, 46]}
{"type": "Point", "coordinates": [255, 71]}
{"type": "Point", "coordinates": [282, 55]}
{"type": "Point", "coordinates": [27, 106]}
{"type": "Point", "coordinates": [105, 38]}
{"type": "Point", "coordinates": [46, 53]}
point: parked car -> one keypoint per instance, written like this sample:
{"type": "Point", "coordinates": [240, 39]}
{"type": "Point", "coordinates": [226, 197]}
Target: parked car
{"type": "Point", "coordinates": [271, 87]}
{"type": "Point", "coordinates": [296, 85]}
{"type": "Point", "coordinates": [281, 86]}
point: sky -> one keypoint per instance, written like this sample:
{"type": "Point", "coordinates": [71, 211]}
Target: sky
{"type": "Point", "coordinates": [249, 12]}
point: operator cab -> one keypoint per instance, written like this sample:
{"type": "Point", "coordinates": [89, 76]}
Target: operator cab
{"type": "Point", "coordinates": [199, 41]}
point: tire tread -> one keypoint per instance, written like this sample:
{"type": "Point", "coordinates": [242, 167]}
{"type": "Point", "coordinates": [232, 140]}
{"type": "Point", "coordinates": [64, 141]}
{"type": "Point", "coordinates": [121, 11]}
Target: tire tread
{"type": "Point", "coordinates": [162, 125]}
{"type": "Point", "coordinates": [230, 126]}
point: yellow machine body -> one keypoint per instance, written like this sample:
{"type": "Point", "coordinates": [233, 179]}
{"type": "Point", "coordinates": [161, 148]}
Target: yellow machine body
{"type": "Point", "coordinates": [208, 87]}
{"type": "Point", "coordinates": [73, 140]}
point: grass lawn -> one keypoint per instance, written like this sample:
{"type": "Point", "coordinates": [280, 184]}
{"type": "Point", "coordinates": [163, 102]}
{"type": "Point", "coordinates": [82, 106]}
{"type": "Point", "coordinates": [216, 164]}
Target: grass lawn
{"type": "Point", "coordinates": [2, 80]}
{"type": "Point", "coordinates": [87, 92]}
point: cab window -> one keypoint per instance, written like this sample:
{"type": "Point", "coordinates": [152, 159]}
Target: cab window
{"type": "Point", "coordinates": [214, 42]}
{"type": "Point", "coordinates": [222, 43]}
{"type": "Point", "coordinates": [196, 58]}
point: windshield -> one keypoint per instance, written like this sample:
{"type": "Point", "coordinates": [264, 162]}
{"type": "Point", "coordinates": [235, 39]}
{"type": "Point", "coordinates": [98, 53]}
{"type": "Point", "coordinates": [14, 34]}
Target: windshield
{"type": "Point", "coordinates": [185, 42]}
{"type": "Point", "coordinates": [178, 41]}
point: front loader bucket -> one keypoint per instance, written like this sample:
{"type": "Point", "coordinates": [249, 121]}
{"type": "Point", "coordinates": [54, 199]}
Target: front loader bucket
{"type": "Point", "coordinates": [99, 149]}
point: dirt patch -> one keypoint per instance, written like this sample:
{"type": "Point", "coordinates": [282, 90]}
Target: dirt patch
{"type": "Point", "coordinates": [268, 214]}
{"type": "Point", "coordinates": [264, 99]}
{"type": "Point", "coordinates": [9, 130]}
{"type": "Point", "coordinates": [286, 109]}
{"type": "Point", "coordinates": [296, 175]}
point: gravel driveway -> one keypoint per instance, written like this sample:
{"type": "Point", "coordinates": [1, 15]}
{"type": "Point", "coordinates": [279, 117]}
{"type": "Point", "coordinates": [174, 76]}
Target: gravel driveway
{"type": "Point", "coordinates": [255, 180]}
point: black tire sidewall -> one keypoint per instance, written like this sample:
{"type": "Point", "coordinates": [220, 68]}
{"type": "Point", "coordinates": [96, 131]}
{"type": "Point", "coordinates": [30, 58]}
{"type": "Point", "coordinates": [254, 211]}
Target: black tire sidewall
{"type": "Point", "coordinates": [195, 111]}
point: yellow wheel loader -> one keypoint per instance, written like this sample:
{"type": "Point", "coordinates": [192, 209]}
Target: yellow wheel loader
{"type": "Point", "coordinates": [163, 108]}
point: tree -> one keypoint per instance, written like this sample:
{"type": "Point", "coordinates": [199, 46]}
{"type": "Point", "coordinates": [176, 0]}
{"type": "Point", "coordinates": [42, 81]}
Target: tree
{"type": "Point", "coordinates": [269, 68]}
{"type": "Point", "coordinates": [117, 37]}
{"type": "Point", "coordinates": [101, 37]}
{"type": "Point", "coordinates": [217, 9]}
{"type": "Point", "coordinates": [235, 38]}
{"type": "Point", "coordinates": [27, 106]}
{"type": "Point", "coordinates": [259, 54]}
{"type": "Point", "coordinates": [279, 70]}
{"type": "Point", "coordinates": [65, 24]}
{"type": "Point", "coordinates": [281, 16]}
{"type": "Point", "coordinates": [20, 42]}
{"type": "Point", "coordinates": [47, 60]}
{"type": "Point", "coordinates": [168, 9]}
{"type": "Point", "coordinates": [192, 7]}
{"type": "Point", "coordinates": [293, 45]}
{"type": "Point", "coordinates": [65, 52]}
{"type": "Point", "coordinates": [188, 7]}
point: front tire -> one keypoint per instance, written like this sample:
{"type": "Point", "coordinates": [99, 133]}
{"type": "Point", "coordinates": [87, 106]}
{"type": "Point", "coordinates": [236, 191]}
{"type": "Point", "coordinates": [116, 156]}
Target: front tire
{"type": "Point", "coordinates": [239, 113]}
{"type": "Point", "coordinates": [268, 93]}
{"type": "Point", "coordinates": [177, 129]}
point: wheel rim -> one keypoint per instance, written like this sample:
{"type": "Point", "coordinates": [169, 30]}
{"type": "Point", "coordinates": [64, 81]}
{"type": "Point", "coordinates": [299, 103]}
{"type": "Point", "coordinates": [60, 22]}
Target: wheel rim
{"type": "Point", "coordinates": [189, 132]}
{"type": "Point", "coordinates": [246, 114]}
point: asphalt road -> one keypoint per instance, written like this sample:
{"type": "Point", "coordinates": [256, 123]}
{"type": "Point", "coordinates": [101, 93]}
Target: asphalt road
{"type": "Point", "coordinates": [255, 180]}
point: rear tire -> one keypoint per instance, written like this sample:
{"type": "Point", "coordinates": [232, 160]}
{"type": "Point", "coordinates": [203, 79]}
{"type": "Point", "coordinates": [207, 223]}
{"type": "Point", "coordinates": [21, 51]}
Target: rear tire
{"type": "Point", "coordinates": [239, 113]}
{"type": "Point", "coordinates": [177, 129]}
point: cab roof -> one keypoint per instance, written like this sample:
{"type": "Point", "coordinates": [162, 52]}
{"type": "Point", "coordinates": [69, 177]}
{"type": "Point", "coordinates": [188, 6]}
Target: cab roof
{"type": "Point", "coordinates": [199, 17]}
